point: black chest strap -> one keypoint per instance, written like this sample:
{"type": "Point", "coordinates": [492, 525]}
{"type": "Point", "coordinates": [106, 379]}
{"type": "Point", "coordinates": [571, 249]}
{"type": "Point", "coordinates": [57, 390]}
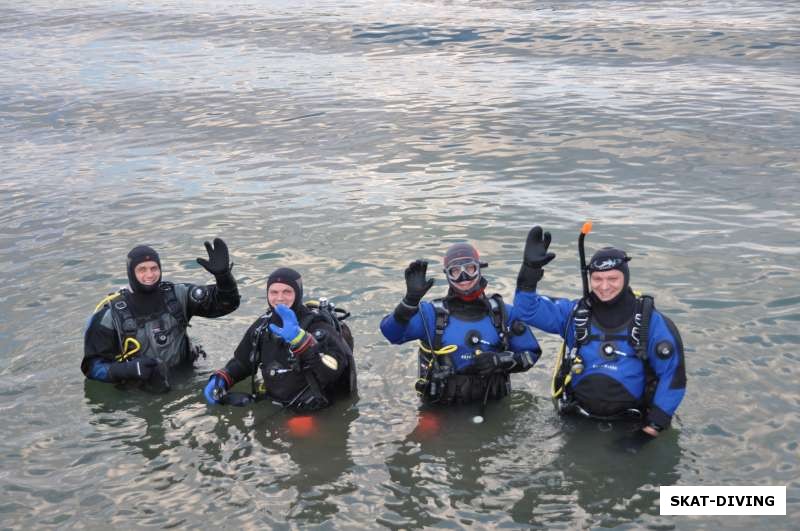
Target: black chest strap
{"type": "Point", "coordinates": [638, 329]}
{"type": "Point", "coordinates": [129, 323]}
{"type": "Point", "coordinates": [173, 305]}
{"type": "Point", "coordinates": [499, 314]}
{"type": "Point", "coordinates": [640, 325]}
{"type": "Point", "coordinates": [442, 317]}
{"type": "Point", "coordinates": [255, 347]}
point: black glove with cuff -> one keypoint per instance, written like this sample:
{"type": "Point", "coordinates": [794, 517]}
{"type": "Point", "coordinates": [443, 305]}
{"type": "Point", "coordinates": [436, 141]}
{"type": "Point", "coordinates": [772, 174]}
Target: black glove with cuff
{"type": "Point", "coordinates": [139, 369]}
{"type": "Point", "coordinates": [416, 288]}
{"type": "Point", "coordinates": [534, 259]}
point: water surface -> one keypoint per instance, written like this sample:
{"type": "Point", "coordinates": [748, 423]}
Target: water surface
{"type": "Point", "coordinates": [347, 139]}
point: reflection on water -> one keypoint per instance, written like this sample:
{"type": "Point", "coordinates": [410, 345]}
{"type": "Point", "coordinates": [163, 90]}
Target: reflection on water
{"type": "Point", "coordinates": [346, 140]}
{"type": "Point", "coordinates": [448, 468]}
{"type": "Point", "coordinates": [602, 474]}
{"type": "Point", "coordinates": [241, 454]}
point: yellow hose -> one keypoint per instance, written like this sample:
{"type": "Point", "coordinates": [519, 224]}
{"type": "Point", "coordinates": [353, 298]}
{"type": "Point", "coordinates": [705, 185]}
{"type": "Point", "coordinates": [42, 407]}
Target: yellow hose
{"type": "Point", "coordinates": [105, 300]}
{"type": "Point", "coordinates": [449, 349]}
{"type": "Point", "coordinates": [559, 361]}
{"type": "Point", "coordinates": [129, 347]}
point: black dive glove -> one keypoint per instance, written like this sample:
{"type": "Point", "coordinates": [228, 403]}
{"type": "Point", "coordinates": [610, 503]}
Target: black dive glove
{"type": "Point", "coordinates": [416, 283]}
{"type": "Point", "coordinates": [416, 288]}
{"type": "Point", "coordinates": [219, 264]}
{"type": "Point", "coordinates": [491, 362]}
{"type": "Point", "coordinates": [534, 259]}
{"type": "Point", "coordinates": [139, 369]}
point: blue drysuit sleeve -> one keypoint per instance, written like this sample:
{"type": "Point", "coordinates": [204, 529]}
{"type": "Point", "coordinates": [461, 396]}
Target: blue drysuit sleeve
{"type": "Point", "coordinates": [422, 325]}
{"type": "Point", "coordinates": [526, 341]}
{"type": "Point", "coordinates": [665, 355]}
{"type": "Point", "coordinates": [544, 313]}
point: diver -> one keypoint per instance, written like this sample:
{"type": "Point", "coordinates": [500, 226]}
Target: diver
{"type": "Point", "coordinates": [139, 333]}
{"type": "Point", "coordinates": [304, 351]}
{"type": "Point", "coordinates": [621, 358]}
{"type": "Point", "coordinates": [469, 342]}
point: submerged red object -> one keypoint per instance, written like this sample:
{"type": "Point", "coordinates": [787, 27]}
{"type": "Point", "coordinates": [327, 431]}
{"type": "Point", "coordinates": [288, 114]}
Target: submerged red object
{"type": "Point", "coordinates": [428, 424]}
{"type": "Point", "coordinates": [301, 426]}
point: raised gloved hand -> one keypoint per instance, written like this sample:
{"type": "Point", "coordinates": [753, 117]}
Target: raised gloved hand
{"type": "Point", "coordinates": [298, 339]}
{"type": "Point", "coordinates": [291, 328]}
{"type": "Point", "coordinates": [535, 257]}
{"type": "Point", "coordinates": [215, 389]}
{"type": "Point", "coordinates": [416, 283]}
{"type": "Point", "coordinates": [536, 246]}
{"type": "Point", "coordinates": [139, 369]}
{"type": "Point", "coordinates": [218, 262]}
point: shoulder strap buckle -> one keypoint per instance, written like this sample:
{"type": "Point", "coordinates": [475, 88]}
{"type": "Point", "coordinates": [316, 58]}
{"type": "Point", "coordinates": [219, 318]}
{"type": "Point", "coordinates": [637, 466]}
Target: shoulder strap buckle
{"type": "Point", "coordinates": [581, 318]}
{"type": "Point", "coordinates": [500, 318]}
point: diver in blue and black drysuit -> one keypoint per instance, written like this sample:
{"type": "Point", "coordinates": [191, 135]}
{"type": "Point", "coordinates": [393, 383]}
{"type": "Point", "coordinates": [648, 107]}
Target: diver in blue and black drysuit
{"type": "Point", "coordinates": [138, 334]}
{"type": "Point", "coordinates": [621, 358]}
{"type": "Point", "coordinates": [469, 342]}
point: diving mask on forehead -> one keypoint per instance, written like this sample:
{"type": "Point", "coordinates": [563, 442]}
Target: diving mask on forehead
{"type": "Point", "coordinates": [607, 263]}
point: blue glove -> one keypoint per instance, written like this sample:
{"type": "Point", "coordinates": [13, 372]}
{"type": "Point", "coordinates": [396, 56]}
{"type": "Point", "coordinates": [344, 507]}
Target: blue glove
{"type": "Point", "coordinates": [215, 388]}
{"type": "Point", "coordinates": [139, 369]}
{"type": "Point", "coordinates": [291, 331]}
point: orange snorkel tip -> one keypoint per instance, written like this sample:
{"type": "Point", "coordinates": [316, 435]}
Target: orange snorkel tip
{"type": "Point", "coordinates": [586, 229]}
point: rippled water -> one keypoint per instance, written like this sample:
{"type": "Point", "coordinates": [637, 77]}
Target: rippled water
{"type": "Point", "coordinates": [347, 139]}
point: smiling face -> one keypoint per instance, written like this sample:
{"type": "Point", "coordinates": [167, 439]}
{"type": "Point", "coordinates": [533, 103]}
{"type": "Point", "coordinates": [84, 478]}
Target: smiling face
{"type": "Point", "coordinates": [466, 285]}
{"type": "Point", "coordinates": [607, 284]}
{"type": "Point", "coordinates": [279, 293]}
{"type": "Point", "coordinates": [147, 273]}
